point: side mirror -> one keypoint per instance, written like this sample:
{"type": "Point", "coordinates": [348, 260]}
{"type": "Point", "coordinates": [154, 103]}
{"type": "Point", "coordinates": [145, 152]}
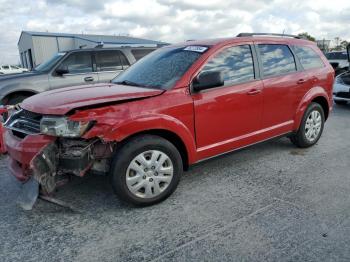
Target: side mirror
{"type": "Point", "coordinates": [348, 50]}
{"type": "Point", "coordinates": [208, 79]}
{"type": "Point", "coordinates": [61, 71]}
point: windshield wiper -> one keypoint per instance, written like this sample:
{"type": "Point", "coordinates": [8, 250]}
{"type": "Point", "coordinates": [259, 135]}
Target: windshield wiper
{"type": "Point", "coordinates": [128, 83]}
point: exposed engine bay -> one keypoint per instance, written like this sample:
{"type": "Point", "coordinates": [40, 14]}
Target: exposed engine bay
{"type": "Point", "coordinates": [70, 157]}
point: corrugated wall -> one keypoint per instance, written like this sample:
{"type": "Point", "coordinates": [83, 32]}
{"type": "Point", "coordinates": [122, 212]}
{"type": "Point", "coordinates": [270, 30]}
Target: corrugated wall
{"type": "Point", "coordinates": [25, 43]}
{"type": "Point", "coordinates": [65, 43]}
{"type": "Point", "coordinates": [44, 48]}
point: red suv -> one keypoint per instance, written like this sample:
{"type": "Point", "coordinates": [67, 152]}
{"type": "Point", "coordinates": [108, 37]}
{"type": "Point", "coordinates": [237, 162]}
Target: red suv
{"type": "Point", "coordinates": [175, 107]}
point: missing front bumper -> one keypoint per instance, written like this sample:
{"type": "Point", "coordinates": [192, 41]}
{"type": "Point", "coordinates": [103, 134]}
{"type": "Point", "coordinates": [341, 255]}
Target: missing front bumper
{"type": "Point", "coordinates": [44, 163]}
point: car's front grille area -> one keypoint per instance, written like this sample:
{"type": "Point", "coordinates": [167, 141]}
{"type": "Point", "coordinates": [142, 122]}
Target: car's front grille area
{"type": "Point", "coordinates": [343, 95]}
{"type": "Point", "coordinates": [24, 123]}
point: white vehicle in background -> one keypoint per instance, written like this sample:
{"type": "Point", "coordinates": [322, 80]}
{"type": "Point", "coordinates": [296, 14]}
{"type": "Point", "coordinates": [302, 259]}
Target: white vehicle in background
{"type": "Point", "coordinates": [339, 61]}
{"type": "Point", "coordinates": [341, 87]}
{"type": "Point", "coordinates": [11, 69]}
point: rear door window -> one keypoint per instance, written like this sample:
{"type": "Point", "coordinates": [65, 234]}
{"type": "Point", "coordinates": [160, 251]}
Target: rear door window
{"type": "Point", "coordinates": [79, 62]}
{"type": "Point", "coordinates": [235, 62]}
{"type": "Point", "coordinates": [276, 59]}
{"type": "Point", "coordinates": [139, 53]}
{"type": "Point", "coordinates": [309, 59]}
{"type": "Point", "coordinates": [109, 60]}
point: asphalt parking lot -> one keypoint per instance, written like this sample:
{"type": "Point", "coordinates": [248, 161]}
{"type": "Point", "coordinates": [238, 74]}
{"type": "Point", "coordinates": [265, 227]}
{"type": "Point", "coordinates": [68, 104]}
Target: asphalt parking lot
{"type": "Point", "coordinates": [270, 202]}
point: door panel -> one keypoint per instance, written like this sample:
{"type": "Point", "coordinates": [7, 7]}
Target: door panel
{"type": "Point", "coordinates": [226, 113]}
{"type": "Point", "coordinates": [234, 110]}
{"type": "Point", "coordinates": [282, 85]}
{"type": "Point", "coordinates": [73, 80]}
{"type": "Point", "coordinates": [281, 98]}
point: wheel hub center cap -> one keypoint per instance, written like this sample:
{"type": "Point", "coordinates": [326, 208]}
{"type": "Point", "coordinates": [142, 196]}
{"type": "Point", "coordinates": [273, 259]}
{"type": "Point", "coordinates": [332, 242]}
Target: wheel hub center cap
{"type": "Point", "coordinates": [149, 174]}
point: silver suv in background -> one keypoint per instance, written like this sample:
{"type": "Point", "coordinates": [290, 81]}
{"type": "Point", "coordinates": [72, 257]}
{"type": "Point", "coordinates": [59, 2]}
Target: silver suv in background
{"type": "Point", "coordinates": [76, 67]}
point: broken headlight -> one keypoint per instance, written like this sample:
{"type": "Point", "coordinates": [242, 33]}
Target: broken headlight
{"type": "Point", "coordinates": [63, 127]}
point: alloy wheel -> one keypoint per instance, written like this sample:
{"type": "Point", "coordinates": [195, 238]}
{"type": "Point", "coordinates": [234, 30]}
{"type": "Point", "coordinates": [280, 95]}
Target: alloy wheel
{"type": "Point", "coordinates": [313, 126]}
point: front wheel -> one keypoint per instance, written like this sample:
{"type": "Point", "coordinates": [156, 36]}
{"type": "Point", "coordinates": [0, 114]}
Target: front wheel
{"type": "Point", "coordinates": [311, 127]}
{"type": "Point", "coordinates": [146, 170]}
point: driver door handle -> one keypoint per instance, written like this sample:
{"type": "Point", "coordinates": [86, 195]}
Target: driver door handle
{"type": "Point", "coordinates": [253, 92]}
{"type": "Point", "coordinates": [301, 81]}
{"type": "Point", "coordinates": [89, 79]}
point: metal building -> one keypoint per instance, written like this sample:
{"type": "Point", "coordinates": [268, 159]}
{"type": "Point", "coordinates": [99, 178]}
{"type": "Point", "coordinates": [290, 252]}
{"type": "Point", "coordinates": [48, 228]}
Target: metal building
{"type": "Point", "coordinates": [36, 47]}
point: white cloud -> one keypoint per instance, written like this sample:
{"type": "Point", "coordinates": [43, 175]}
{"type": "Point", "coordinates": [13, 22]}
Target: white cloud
{"type": "Point", "coordinates": [170, 20]}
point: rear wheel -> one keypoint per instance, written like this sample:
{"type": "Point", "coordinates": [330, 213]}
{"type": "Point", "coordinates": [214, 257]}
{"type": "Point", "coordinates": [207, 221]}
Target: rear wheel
{"type": "Point", "coordinates": [146, 170]}
{"type": "Point", "coordinates": [340, 102]}
{"type": "Point", "coordinates": [311, 127]}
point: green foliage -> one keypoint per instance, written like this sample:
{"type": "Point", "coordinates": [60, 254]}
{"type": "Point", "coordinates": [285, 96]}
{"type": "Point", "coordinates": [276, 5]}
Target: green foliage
{"type": "Point", "coordinates": [307, 36]}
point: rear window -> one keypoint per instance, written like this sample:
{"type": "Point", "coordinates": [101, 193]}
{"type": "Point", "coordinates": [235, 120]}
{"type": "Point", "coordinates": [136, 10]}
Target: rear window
{"type": "Point", "coordinates": [277, 60]}
{"type": "Point", "coordinates": [139, 53]}
{"type": "Point", "coordinates": [309, 59]}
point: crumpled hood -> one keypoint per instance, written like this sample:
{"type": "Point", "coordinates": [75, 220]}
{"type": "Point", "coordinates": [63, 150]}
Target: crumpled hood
{"type": "Point", "coordinates": [63, 100]}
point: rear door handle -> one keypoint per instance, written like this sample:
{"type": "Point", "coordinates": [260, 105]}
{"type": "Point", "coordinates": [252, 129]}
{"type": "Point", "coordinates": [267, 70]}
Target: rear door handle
{"type": "Point", "coordinates": [253, 92]}
{"type": "Point", "coordinates": [88, 79]}
{"type": "Point", "coordinates": [301, 81]}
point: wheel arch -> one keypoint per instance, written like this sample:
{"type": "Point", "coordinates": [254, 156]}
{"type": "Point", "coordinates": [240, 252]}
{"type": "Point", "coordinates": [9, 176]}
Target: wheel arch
{"type": "Point", "coordinates": [164, 126]}
{"type": "Point", "coordinates": [321, 100]}
{"type": "Point", "coordinates": [8, 96]}
{"type": "Point", "coordinates": [317, 95]}
{"type": "Point", "coordinates": [169, 136]}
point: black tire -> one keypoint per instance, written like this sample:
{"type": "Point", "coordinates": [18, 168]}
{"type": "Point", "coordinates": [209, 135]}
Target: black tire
{"type": "Point", "coordinates": [299, 138]}
{"type": "Point", "coordinates": [127, 152]}
{"type": "Point", "coordinates": [340, 102]}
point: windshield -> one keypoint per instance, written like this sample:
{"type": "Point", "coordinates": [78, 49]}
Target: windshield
{"type": "Point", "coordinates": [46, 66]}
{"type": "Point", "coordinates": [337, 56]}
{"type": "Point", "coordinates": [161, 68]}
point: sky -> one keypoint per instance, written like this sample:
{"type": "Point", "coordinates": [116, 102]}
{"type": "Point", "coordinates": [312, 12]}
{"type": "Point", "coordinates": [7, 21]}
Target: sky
{"type": "Point", "coordinates": [170, 20]}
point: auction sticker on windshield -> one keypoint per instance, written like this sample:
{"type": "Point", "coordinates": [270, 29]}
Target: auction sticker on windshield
{"type": "Point", "coordinates": [194, 48]}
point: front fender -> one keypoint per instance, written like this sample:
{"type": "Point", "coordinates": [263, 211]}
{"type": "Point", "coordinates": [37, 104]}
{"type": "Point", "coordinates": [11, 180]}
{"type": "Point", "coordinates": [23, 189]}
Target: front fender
{"type": "Point", "coordinates": [313, 93]}
{"type": "Point", "coordinates": [31, 84]}
{"type": "Point", "coordinates": [124, 129]}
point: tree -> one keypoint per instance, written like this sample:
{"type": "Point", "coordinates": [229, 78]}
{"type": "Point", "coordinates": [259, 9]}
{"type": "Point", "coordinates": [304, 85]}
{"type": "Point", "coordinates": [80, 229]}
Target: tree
{"type": "Point", "coordinates": [307, 36]}
{"type": "Point", "coordinates": [339, 44]}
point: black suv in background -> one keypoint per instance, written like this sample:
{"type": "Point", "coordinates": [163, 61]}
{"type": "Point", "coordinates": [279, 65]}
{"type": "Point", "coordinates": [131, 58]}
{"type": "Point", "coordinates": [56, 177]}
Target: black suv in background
{"type": "Point", "coordinates": [75, 67]}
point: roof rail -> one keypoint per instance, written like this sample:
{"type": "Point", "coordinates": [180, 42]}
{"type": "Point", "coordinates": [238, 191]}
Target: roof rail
{"type": "Point", "coordinates": [267, 34]}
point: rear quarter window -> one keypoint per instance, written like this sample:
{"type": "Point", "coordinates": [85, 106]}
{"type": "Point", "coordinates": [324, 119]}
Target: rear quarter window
{"type": "Point", "coordinates": [308, 58]}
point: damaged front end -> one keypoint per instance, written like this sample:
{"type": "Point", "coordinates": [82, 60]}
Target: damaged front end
{"type": "Point", "coordinates": [44, 162]}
